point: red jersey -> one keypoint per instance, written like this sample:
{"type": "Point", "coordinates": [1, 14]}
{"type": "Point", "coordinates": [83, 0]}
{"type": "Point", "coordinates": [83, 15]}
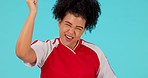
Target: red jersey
{"type": "Point", "coordinates": [58, 61]}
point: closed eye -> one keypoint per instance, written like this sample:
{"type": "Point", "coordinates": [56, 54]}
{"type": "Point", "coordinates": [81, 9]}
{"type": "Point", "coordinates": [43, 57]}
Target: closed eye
{"type": "Point", "coordinates": [68, 25]}
{"type": "Point", "coordinates": [79, 29]}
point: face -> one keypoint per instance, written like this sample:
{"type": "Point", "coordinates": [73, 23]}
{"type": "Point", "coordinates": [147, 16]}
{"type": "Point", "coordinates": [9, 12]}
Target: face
{"type": "Point", "coordinates": [71, 29]}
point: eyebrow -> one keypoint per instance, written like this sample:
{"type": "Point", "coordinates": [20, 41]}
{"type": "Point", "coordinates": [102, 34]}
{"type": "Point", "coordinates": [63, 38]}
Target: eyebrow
{"type": "Point", "coordinates": [76, 26]}
{"type": "Point", "coordinates": [68, 22]}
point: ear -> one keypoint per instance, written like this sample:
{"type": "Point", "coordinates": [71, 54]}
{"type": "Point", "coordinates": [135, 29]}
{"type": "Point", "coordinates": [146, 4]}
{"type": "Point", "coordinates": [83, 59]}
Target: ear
{"type": "Point", "coordinates": [59, 23]}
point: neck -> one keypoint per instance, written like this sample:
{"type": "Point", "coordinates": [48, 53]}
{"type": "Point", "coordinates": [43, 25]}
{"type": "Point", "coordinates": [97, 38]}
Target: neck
{"type": "Point", "coordinates": [71, 47]}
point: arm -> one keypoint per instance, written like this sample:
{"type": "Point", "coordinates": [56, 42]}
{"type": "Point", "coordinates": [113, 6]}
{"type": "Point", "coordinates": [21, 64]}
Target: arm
{"type": "Point", "coordinates": [23, 45]}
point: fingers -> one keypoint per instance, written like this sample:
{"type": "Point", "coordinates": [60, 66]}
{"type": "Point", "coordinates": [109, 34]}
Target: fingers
{"type": "Point", "coordinates": [32, 4]}
{"type": "Point", "coordinates": [32, 1]}
{"type": "Point", "coordinates": [35, 2]}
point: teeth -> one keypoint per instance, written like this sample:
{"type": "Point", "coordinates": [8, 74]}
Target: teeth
{"type": "Point", "coordinates": [69, 37]}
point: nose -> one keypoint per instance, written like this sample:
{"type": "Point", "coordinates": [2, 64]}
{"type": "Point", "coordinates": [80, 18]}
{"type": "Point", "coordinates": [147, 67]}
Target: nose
{"type": "Point", "coordinates": [72, 31]}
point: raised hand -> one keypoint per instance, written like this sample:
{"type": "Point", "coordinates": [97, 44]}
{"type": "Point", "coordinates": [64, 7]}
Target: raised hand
{"type": "Point", "coordinates": [32, 4]}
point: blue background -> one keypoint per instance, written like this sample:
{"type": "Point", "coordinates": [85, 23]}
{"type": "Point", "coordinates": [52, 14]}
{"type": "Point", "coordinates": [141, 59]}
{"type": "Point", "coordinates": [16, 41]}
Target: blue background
{"type": "Point", "coordinates": [121, 32]}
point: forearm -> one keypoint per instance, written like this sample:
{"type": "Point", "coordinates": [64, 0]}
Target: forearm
{"type": "Point", "coordinates": [24, 41]}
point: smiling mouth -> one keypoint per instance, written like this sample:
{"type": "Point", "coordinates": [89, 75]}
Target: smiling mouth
{"type": "Point", "coordinates": [68, 38]}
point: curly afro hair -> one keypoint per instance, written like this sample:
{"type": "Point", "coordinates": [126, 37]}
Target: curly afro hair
{"type": "Point", "coordinates": [87, 9]}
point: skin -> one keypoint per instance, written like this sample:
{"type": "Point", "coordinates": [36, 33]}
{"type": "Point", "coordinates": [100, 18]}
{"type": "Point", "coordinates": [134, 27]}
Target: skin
{"type": "Point", "coordinates": [71, 28]}
{"type": "Point", "coordinates": [23, 45]}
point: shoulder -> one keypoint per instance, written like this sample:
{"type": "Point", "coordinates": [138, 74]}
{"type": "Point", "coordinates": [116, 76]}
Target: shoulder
{"type": "Point", "coordinates": [93, 47]}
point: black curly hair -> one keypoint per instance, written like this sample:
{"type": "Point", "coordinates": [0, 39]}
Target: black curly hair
{"type": "Point", "coordinates": [87, 9]}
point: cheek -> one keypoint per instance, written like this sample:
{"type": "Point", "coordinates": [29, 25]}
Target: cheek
{"type": "Point", "coordinates": [63, 30]}
{"type": "Point", "coordinates": [78, 35]}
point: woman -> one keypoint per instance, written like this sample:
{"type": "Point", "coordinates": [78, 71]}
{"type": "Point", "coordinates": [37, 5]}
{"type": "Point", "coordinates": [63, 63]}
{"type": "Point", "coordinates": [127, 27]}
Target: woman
{"type": "Point", "coordinates": [68, 56]}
